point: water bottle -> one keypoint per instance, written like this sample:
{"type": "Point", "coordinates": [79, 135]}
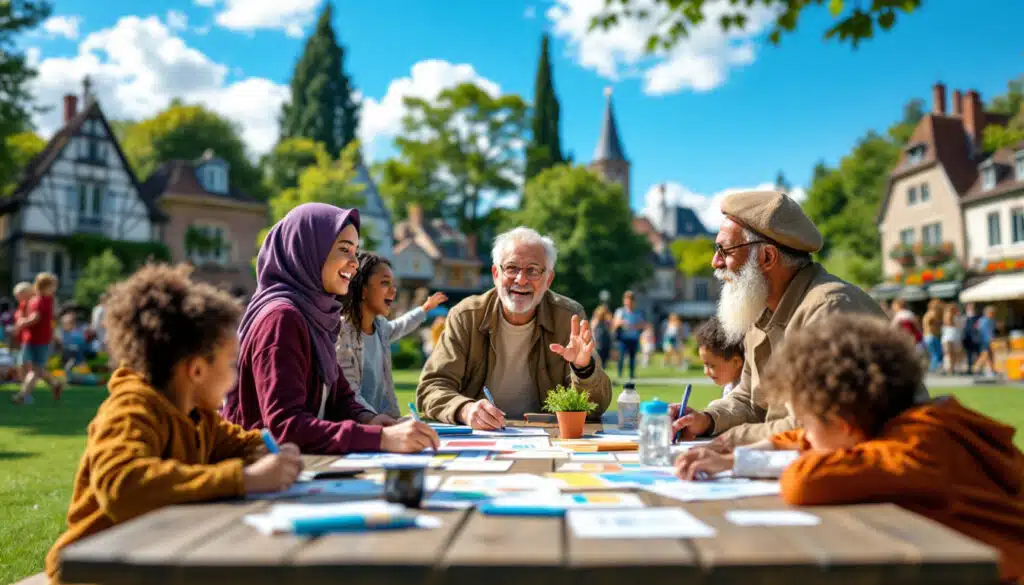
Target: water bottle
{"type": "Point", "coordinates": [655, 434]}
{"type": "Point", "coordinates": [629, 408]}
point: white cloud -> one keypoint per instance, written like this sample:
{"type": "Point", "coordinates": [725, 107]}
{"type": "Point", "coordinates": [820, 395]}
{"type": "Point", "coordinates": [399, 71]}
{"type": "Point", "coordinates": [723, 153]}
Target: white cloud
{"type": "Point", "coordinates": [700, 61]}
{"type": "Point", "coordinates": [62, 26]}
{"type": "Point", "coordinates": [381, 119]}
{"type": "Point", "coordinates": [707, 207]}
{"type": "Point", "coordinates": [530, 12]}
{"type": "Point", "coordinates": [139, 65]}
{"type": "Point", "coordinates": [291, 16]}
{"type": "Point", "coordinates": [177, 20]}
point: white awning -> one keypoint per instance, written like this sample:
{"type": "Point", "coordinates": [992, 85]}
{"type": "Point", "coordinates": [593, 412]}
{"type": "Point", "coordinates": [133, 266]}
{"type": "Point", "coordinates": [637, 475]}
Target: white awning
{"type": "Point", "coordinates": [1001, 287]}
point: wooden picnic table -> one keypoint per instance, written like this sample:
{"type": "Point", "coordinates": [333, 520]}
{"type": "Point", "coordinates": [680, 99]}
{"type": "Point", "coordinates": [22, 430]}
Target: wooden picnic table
{"type": "Point", "coordinates": [208, 544]}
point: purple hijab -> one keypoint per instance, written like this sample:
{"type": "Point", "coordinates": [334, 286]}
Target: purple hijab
{"type": "Point", "coordinates": [289, 268]}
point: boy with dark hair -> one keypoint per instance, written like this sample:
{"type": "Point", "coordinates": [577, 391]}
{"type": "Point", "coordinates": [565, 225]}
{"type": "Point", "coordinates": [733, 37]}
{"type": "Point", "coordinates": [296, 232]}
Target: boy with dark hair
{"type": "Point", "coordinates": [852, 385]}
{"type": "Point", "coordinates": [158, 440]}
{"type": "Point", "coordinates": [723, 361]}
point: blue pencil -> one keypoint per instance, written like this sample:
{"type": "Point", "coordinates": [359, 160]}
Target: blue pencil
{"type": "Point", "coordinates": [415, 414]}
{"type": "Point", "coordinates": [682, 409]}
{"type": "Point", "coordinates": [490, 399]}
{"type": "Point", "coordinates": [269, 441]}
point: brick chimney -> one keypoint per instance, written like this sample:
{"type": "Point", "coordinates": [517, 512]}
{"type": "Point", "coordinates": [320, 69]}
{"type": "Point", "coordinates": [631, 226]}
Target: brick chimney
{"type": "Point", "coordinates": [415, 214]}
{"type": "Point", "coordinates": [939, 99]}
{"type": "Point", "coordinates": [70, 107]}
{"type": "Point", "coordinates": [974, 116]}
{"type": "Point", "coordinates": [958, 105]}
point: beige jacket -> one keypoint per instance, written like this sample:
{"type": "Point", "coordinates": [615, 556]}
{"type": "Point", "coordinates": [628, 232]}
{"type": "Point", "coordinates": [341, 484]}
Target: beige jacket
{"type": "Point", "coordinates": [456, 371]}
{"type": "Point", "coordinates": [744, 416]}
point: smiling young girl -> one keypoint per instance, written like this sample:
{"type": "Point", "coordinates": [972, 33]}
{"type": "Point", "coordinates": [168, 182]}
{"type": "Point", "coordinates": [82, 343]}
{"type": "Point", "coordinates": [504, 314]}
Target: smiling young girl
{"type": "Point", "coordinates": [288, 376]}
{"type": "Point", "coordinates": [364, 345]}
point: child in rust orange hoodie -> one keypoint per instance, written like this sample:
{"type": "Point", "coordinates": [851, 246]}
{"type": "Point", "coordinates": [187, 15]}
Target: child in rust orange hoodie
{"type": "Point", "coordinates": [851, 383]}
{"type": "Point", "coordinates": [158, 440]}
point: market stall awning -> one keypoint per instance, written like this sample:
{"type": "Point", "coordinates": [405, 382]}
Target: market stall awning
{"type": "Point", "coordinates": [944, 290]}
{"type": "Point", "coordinates": [1001, 287]}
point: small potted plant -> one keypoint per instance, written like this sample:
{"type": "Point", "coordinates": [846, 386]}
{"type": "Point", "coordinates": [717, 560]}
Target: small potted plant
{"type": "Point", "coordinates": [571, 406]}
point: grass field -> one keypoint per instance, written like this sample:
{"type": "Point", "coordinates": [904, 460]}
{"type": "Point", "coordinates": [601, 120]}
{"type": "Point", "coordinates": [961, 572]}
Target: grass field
{"type": "Point", "coordinates": [40, 446]}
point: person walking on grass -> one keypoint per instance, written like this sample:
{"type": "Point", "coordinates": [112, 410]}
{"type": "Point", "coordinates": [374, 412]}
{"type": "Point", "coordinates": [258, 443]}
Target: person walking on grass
{"type": "Point", "coordinates": [627, 324]}
{"type": "Point", "coordinates": [364, 345]}
{"type": "Point", "coordinates": [36, 332]}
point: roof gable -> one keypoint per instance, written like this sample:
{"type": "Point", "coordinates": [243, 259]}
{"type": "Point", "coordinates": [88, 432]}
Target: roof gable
{"type": "Point", "coordinates": [179, 177]}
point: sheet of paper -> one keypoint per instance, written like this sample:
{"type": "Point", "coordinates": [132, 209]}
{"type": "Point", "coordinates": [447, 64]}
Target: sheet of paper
{"type": "Point", "coordinates": [495, 444]}
{"type": "Point", "coordinates": [587, 467]}
{"type": "Point", "coordinates": [539, 501]}
{"type": "Point", "coordinates": [378, 460]}
{"type": "Point", "coordinates": [513, 432]}
{"type": "Point", "coordinates": [609, 457]}
{"type": "Point", "coordinates": [278, 519]}
{"type": "Point", "coordinates": [476, 464]}
{"type": "Point", "coordinates": [628, 457]}
{"type": "Point", "coordinates": [626, 477]}
{"type": "Point", "coordinates": [338, 487]}
{"type": "Point", "coordinates": [537, 454]}
{"type": "Point", "coordinates": [497, 484]}
{"type": "Point", "coordinates": [633, 523]}
{"type": "Point", "coordinates": [721, 489]}
{"type": "Point", "coordinates": [771, 518]}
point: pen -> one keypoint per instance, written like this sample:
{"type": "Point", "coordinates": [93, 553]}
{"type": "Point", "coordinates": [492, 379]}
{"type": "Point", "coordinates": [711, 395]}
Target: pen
{"type": "Point", "coordinates": [347, 523]}
{"type": "Point", "coordinates": [682, 410]}
{"type": "Point", "coordinates": [490, 399]}
{"type": "Point", "coordinates": [269, 441]}
{"type": "Point", "coordinates": [415, 415]}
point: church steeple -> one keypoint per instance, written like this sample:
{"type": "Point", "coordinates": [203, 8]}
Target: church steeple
{"type": "Point", "coordinates": [609, 157]}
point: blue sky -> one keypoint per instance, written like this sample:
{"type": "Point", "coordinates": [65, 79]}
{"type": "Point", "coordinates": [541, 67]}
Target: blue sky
{"type": "Point", "coordinates": [721, 113]}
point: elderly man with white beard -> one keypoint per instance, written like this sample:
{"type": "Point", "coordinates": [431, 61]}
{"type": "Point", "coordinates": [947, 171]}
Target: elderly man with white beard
{"type": "Point", "coordinates": [770, 286]}
{"type": "Point", "coordinates": [519, 340]}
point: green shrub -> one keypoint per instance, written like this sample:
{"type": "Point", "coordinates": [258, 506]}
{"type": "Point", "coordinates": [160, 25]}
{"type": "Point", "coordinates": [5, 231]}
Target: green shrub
{"type": "Point", "coordinates": [408, 355]}
{"type": "Point", "coordinates": [563, 399]}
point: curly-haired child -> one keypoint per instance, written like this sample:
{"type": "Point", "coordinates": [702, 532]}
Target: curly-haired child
{"type": "Point", "coordinates": [158, 440]}
{"type": "Point", "coordinates": [852, 384]}
{"type": "Point", "coordinates": [723, 360]}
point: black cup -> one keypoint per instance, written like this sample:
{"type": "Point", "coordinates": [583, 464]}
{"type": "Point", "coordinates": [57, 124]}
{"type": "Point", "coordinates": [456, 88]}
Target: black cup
{"type": "Point", "coordinates": [403, 484]}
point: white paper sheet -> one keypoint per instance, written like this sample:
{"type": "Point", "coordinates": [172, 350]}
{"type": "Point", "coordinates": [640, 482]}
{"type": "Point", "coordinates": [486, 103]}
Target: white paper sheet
{"type": "Point", "coordinates": [589, 456]}
{"type": "Point", "coordinates": [378, 460]}
{"type": "Point", "coordinates": [537, 454]}
{"type": "Point", "coordinates": [722, 489]}
{"type": "Point", "coordinates": [628, 457]}
{"type": "Point", "coordinates": [513, 432]}
{"type": "Point", "coordinates": [771, 518]}
{"type": "Point", "coordinates": [498, 484]}
{"type": "Point", "coordinates": [329, 487]}
{"type": "Point", "coordinates": [278, 519]}
{"type": "Point", "coordinates": [478, 465]}
{"type": "Point", "coordinates": [637, 523]}
{"type": "Point", "coordinates": [456, 444]}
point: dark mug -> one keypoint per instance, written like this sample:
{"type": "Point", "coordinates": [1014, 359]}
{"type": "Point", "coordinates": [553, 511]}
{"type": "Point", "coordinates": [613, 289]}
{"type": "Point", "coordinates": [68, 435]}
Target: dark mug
{"type": "Point", "coordinates": [404, 484]}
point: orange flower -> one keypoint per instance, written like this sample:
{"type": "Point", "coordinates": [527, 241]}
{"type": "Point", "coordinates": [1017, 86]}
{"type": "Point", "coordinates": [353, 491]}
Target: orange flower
{"type": "Point", "coordinates": [940, 273]}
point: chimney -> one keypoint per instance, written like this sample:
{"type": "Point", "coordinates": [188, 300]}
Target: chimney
{"type": "Point", "coordinates": [415, 214]}
{"type": "Point", "coordinates": [939, 99]}
{"type": "Point", "coordinates": [471, 242]}
{"type": "Point", "coordinates": [70, 107]}
{"type": "Point", "coordinates": [958, 105]}
{"type": "Point", "coordinates": [974, 117]}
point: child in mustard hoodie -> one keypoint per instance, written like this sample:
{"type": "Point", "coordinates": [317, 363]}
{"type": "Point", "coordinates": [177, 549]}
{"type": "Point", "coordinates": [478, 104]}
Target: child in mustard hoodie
{"type": "Point", "coordinates": [851, 382]}
{"type": "Point", "coordinates": [158, 440]}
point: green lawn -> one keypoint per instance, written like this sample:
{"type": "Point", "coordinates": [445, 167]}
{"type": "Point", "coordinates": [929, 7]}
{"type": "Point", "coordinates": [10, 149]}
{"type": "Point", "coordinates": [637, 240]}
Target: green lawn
{"type": "Point", "coordinates": [40, 446]}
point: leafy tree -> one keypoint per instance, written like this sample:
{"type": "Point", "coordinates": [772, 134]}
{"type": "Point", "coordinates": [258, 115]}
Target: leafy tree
{"type": "Point", "coordinates": [913, 111]}
{"type": "Point", "coordinates": [99, 273]}
{"type": "Point", "coordinates": [1010, 104]}
{"type": "Point", "coordinates": [852, 21]}
{"type": "Point", "coordinates": [16, 17]}
{"type": "Point", "coordinates": [402, 182]}
{"type": "Point", "coordinates": [322, 107]}
{"type": "Point", "coordinates": [185, 132]}
{"type": "Point", "coordinates": [457, 150]}
{"type": "Point", "coordinates": [545, 148]}
{"type": "Point", "coordinates": [853, 268]}
{"type": "Point", "coordinates": [332, 182]}
{"type": "Point", "coordinates": [591, 224]}
{"type": "Point", "coordinates": [283, 165]}
{"type": "Point", "coordinates": [20, 149]}
{"type": "Point", "coordinates": [693, 257]}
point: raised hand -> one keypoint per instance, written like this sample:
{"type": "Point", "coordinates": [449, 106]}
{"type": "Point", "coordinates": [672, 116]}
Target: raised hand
{"type": "Point", "coordinates": [434, 300]}
{"type": "Point", "coordinates": [581, 344]}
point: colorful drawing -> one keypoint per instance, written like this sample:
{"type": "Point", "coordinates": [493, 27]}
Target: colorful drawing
{"type": "Point", "coordinates": [584, 467]}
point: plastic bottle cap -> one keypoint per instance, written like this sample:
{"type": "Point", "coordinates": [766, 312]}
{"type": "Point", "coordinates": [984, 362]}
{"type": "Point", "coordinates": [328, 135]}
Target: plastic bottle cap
{"type": "Point", "coordinates": [628, 386]}
{"type": "Point", "coordinates": [654, 407]}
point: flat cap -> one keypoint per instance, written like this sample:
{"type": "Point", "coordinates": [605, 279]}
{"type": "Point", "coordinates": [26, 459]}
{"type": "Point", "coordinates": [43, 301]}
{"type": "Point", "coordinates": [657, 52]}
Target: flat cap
{"type": "Point", "coordinates": [775, 215]}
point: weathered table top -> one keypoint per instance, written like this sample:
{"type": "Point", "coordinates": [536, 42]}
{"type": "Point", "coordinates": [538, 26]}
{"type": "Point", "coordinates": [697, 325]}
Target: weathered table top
{"type": "Point", "coordinates": [209, 544]}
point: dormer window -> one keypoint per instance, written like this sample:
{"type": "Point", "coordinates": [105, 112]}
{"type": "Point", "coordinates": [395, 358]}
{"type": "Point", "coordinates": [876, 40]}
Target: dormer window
{"type": "Point", "coordinates": [915, 154]}
{"type": "Point", "coordinates": [988, 177]}
{"type": "Point", "coordinates": [214, 177]}
{"type": "Point", "coordinates": [1020, 165]}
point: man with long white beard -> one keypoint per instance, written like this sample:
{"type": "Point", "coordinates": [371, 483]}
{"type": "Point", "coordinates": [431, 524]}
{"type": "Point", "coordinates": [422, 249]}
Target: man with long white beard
{"type": "Point", "coordinates": [518, 340]}
{"type": "Point", "coordinates": [770, 286]}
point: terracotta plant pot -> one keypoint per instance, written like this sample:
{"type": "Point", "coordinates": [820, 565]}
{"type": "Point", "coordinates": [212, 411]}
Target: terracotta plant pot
{"type": "Point", "coordinates": [570, 424]}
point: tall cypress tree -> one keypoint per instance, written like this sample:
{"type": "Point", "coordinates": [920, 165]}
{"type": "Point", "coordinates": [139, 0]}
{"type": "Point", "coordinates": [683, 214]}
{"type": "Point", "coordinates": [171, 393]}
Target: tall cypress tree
{"type": "Point", "coordinates": [322, 107]}
{"type": "Point", "coordinates": [545, 149]}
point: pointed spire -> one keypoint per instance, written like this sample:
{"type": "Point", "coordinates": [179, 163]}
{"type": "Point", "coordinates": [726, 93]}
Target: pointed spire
{"type": "Point", "coordinates": [608, 145]}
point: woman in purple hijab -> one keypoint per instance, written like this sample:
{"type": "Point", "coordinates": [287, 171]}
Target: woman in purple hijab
{"type": "Point", "coordinates": [288, 378]}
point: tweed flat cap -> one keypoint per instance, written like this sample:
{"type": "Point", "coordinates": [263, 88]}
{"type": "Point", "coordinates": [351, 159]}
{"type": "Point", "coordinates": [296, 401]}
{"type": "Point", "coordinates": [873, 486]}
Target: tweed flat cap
{"type": "Point", "coordinates": [775, 215]}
